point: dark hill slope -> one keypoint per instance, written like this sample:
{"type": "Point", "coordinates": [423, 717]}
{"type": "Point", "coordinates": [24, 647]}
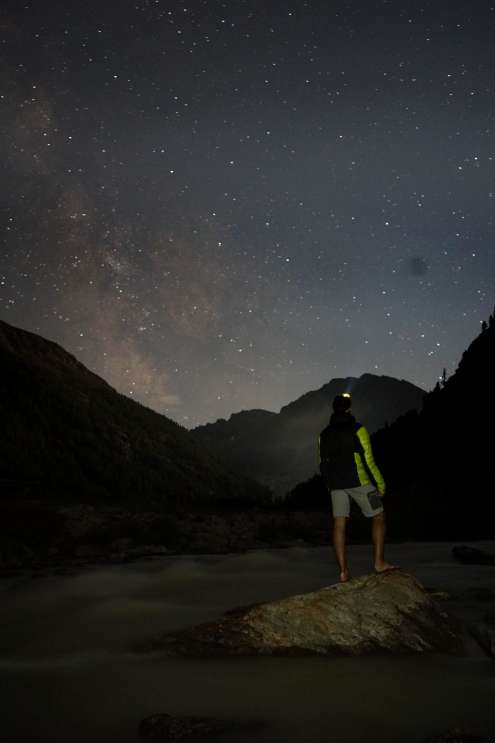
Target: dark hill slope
{"type": "Point", "coordinates": [438, 462]}
{"type": "Point", "coordinates": [280, 449]}
{"type": "Point", "coordinates": [66, 434]}
{"type": "Point", "coordinates": [450, 443]}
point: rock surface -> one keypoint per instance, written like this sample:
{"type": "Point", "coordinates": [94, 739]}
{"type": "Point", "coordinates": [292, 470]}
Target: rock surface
{"type": "Point", "coordinates": [472, 555]}
{"type": "Point", "coordinates": [456, 735]}
{"type": "Point", "coordinates": [35, 536]}
{"type": "Point", "coordinates": [163, 726]}
{"type": "Point", "coordinates": [389, 613]}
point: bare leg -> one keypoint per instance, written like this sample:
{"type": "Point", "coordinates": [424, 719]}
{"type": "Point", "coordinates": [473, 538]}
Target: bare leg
{"type": "Point", "coordinates": [339, 524]}
{"type": "Point", "coordinates": [378, 537]}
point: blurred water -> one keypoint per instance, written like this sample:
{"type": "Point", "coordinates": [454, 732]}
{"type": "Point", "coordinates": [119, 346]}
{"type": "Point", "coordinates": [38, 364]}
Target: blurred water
{"type": "Point", "coordinates": [68, 672]}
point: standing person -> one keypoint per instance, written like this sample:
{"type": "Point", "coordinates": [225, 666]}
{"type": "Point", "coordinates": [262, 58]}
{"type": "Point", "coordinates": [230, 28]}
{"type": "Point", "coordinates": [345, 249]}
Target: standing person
{"type": "Point", "coordinates": [346, 460]}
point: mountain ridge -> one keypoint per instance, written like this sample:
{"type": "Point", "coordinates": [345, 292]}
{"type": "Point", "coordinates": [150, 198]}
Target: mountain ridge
{"type": "Point", "coordinates": [67, 430]}
{"type": "Point", "coordinates": [280, 449]}
{"type": "Point", "coordinates": [437, 462]}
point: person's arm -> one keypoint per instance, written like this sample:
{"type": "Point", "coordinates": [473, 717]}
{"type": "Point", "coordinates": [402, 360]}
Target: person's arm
{"type": "Point", "coordinates": [364, 439]}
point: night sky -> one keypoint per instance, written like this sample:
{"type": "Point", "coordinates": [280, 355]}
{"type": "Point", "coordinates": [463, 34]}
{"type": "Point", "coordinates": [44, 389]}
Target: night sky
{"type": "Point", "coordinates": [219, 206]}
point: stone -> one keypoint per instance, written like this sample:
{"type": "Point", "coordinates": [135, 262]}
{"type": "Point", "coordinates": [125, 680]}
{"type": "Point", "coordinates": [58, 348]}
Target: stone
{"type": "Point", "coordinates": [378, 613]}
{"type": "Point", "coordinates": [472, 555]}
{"type": "Point", "coordinates": [88, 550]}
{"type": "Point", "coordinates": [456, 735]}
{"type": "Point", "coordinates": [163, 726]}
{"type": "Point", "coordinates": [146, 550]}
{"type": "Point", "coordinates": [81, 519]}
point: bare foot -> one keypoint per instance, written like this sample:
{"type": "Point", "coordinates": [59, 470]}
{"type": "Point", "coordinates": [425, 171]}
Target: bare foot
{"type": "Point", "coordinates": [344, 576]}
{"type": "Point", "coordinates": [385, 567]}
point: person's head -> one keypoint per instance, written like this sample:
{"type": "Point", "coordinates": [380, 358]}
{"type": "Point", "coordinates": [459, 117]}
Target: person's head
{"type": "Point", "coordinates": [342, 403]}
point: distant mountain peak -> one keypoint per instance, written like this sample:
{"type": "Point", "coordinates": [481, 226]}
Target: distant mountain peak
{"type": "Point", "coordinates": [280, 449]}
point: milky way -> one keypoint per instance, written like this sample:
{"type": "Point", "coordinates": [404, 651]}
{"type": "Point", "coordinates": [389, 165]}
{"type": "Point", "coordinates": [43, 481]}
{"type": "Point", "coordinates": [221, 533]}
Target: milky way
{"type": "Point", "coordinates": [222, 205]}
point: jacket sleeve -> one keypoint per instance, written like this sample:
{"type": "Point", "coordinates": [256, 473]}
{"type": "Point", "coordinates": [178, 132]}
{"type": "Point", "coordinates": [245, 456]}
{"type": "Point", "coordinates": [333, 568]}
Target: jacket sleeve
{"type": "Point", "coordinates": [323, 466]}
{"type": "Point", "coordinates": [364, 439]}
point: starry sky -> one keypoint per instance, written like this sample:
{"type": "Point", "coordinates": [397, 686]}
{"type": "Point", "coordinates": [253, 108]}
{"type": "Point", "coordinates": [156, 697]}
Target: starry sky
{"type": "Point", "coordinates": [219, 206]}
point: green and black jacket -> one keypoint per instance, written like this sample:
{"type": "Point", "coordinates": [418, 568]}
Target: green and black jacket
{"type": "Point", "coordinates": [346, 457]}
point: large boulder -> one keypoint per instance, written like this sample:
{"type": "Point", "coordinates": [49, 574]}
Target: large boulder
{"type": "Point", "coordinates": [389, 612]}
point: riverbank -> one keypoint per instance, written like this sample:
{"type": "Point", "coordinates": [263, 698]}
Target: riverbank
{"type": "Point", "coordinates": [42, 536]}
{"type": "Point", "coordinates": [38, 536]}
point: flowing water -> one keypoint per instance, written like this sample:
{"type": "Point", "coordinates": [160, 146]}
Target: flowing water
{"type": "Point", "coordinates": [69, 673]}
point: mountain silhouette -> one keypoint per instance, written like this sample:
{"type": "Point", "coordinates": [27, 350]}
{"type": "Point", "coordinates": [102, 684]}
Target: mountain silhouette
{"type": "Point", "coordinates": [68, 435]}
{"type": "Point", "coordinates": [437, 462]}
{"type": "Point", "coordinates": [281, 449]}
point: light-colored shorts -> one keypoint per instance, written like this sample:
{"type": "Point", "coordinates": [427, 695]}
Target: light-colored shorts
{"type": "Point", "coordinates": [366, 496]}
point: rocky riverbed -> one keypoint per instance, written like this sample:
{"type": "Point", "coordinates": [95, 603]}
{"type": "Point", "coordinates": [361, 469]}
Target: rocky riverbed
{"type": "Point", "coordinates": [39, 536]}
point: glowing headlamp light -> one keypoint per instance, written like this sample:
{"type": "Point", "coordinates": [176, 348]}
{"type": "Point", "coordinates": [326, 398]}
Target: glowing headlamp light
{"type": "Point", "coordinates": [346, 394]}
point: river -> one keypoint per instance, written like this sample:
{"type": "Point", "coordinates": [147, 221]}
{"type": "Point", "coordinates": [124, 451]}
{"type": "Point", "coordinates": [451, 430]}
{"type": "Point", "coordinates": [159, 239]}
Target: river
{"type": "Point", "coordinates": [69, 672]}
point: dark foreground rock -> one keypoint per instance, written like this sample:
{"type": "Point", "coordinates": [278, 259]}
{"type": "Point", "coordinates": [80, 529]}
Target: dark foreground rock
{"type": "Point", "coordinates": [170, 727]}
{"type": "Point", "coordinates": [387, 613]}
{"type": "Point", "coordinates": [472, 555]}
{"type": "Point", "coordinates": [456, 735]}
